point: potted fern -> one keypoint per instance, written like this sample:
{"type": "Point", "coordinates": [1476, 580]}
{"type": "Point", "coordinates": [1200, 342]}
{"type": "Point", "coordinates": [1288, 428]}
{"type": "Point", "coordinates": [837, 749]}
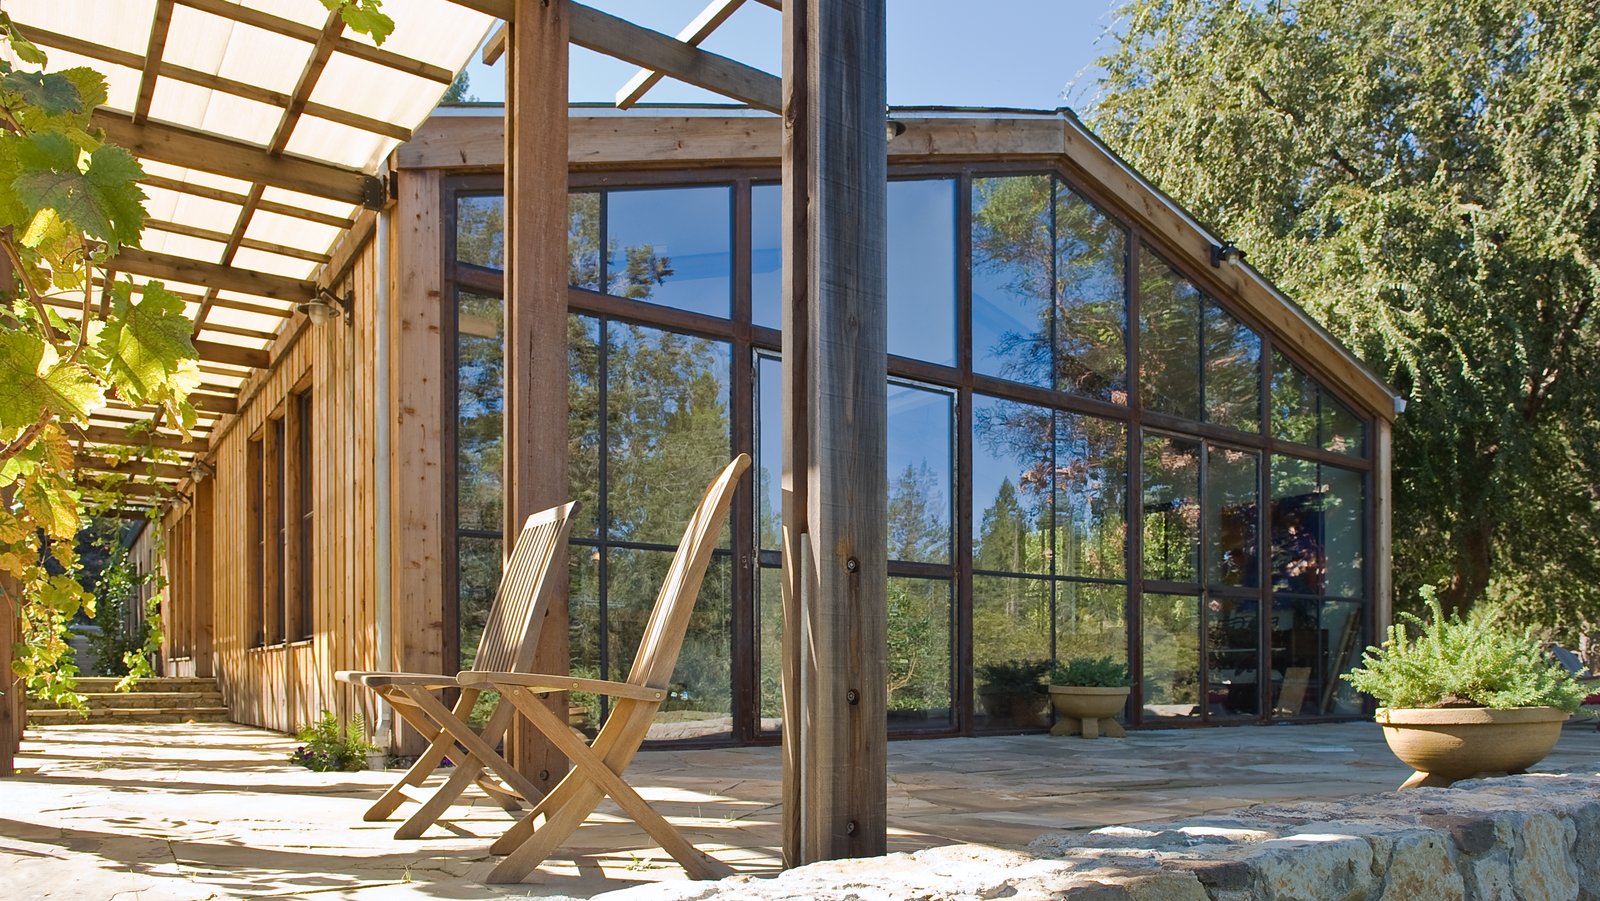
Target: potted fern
{"type": "Point", "coordinates": [1466, 696]}
{"type": "Point", "coordinates": [1087, 693]}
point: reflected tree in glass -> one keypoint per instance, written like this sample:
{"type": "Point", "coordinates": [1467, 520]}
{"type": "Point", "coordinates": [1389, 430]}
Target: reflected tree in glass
{"type": "Point", "coordinates": [1171, 508]}
{"type": "Point", "coordinates": [1091, 621]}
{"type": "Point", "coordinates": [1233, 370]}
{"type": "Point", "coordinates": [1169, 339]}
{"type": "Point", "coordinates": [481, 230]}
{"type": "Point", "coordinates": [1091, 330]}
{"type": "Point", "coordinates": [1012, 278]}
{"type": "Point", "coordinates": [1232, 511]}
{"type": "Point", "coordinates": [1091, 484]}
{"type": "Point", "coordinates": [1012, 472]}
{"type": "Point", "coordinates": [1171, 649]}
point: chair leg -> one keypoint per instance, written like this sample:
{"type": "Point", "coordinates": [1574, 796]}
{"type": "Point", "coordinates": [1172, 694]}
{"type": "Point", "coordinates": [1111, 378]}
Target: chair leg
{"type": "Point", "coordinates": [525, 827]}
{"type": "Point", "coordinates": [438, 746]}
{"type": "Point", "coordinates": [465, 773]}
{"type": "Point", "coordinates": [562, 822]}
{"type": "Point", "coordinates": [509, 800]}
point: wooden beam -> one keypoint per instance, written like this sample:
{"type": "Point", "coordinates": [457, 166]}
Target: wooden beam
{"type": "Point", "coordinates": [96, 434]}
{"type": "Point", "coordinates": [694, 34]}
{"type": "Point", "coordinates": [268, 206]}
{"type": "Point", "coordinates": [160, 24]}
{"type": "Point", "coordinates": [1382, 504]}
{"type": "Point", "coordinates": [140, 468]}
{"type": "Point", "coordinates": [345, 253]}
{"type": "Point", "coordinates": [179, 228]}
{"type": "Point", "coordinates": [181, 146]}
{"type": "Point", "coordinates": [536, 322]}
{"type": "Point", "coordinates": [614, 36]}
{"type": "Point", "coordinates": [249, 15]}
{"type": "Point", "coordinates": [213, 275]}
{"type": "Point", "coordinates": [248, 357]}
{"type": "Point", "coordinates": [132, 489]}
{"type": "Point", "coordinates": [835, 364]}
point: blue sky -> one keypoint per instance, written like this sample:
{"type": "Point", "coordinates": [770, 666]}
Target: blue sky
{"type": "Point", "coordinates": [1012, 53]}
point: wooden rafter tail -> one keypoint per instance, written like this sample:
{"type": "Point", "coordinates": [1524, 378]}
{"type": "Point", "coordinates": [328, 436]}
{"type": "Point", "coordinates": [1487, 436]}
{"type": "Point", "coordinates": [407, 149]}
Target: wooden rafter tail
{"type": "Point", "coordinates": [613, 36]}
{"type": "Point", "coordinates": [694, 34]}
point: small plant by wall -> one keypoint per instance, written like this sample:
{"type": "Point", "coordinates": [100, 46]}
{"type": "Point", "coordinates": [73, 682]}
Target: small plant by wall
{"type": "Point", "coordinates": [326, 747]}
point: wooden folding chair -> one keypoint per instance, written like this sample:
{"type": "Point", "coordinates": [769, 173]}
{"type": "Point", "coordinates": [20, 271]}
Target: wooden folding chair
{"type": "Point", "coordinates": [510, 637]}
{"type": "Point", "coordinates": [597, 768]}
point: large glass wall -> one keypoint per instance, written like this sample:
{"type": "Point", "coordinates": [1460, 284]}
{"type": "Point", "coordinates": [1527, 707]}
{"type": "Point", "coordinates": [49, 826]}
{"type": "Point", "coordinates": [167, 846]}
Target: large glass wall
{"type": "Point", "coordinates": [1090, 454]}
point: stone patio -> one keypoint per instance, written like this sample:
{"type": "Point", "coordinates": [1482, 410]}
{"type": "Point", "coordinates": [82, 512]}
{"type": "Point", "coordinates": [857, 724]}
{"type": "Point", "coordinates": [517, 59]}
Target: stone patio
{"type": "Point", "coordinates": [195, 811]}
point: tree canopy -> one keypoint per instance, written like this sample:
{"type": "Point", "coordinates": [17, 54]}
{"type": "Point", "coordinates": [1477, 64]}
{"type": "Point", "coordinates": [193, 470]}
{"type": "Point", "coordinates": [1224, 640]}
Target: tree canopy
{"type": "Point", "coordinates": [1422, 178]}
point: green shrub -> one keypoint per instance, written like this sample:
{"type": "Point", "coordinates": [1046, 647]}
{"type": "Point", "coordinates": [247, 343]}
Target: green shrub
{"type": "Point", "coordinates": [1014, 675]}
{"type": "Point", "coordinates": [327, 748]}
{"type": "Point", "coordinates": [1456, 662]}
{"type": "Point", "coordinates": [1090, 672]}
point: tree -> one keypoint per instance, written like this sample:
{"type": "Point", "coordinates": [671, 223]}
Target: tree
{"type": "Point", "coordinates": [1422, 177]}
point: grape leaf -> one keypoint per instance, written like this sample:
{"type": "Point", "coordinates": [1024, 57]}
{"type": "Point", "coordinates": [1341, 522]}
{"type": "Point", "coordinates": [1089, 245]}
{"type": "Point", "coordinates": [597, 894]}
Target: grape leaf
{"type": "Point", "coordinates": [363, 16]}
{"type": "Point", "coordinates": [51, 506]}
{"type": "Point", "coordinates": [33, 379]}
{"type": "Point", "coordinates": [52, 93]}
{"type": "Point", "coordinates": [101, 199]}
{"type": "Point", "coordinates": [148, 343]}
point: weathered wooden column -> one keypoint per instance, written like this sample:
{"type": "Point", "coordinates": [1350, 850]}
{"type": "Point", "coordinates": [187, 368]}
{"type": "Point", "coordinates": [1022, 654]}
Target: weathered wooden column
{"type": "Point", "coordinates": [536, 321]}
{"type": "Point", "coordinates": [835, 316]}
{"type": "Point", "coordinates": [202, 649]}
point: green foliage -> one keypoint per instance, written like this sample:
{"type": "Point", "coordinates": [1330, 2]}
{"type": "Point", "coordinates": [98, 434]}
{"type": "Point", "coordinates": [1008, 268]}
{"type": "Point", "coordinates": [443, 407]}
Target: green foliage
{"type": "Point", "coordinates": [1013, 675]}
{"type": "Point", "coordinates": [130, 632]}
{"type": "Point", "coordinates": [1455, 661]}
{"type": "Point", "coordinates": [1090, 672]}
{"type": "Point", "coordinates": [1422, 177]}
{"type": "Point", "coordinates": [364, 16]}
{"type": "Point", "coordinates": [327, 747]}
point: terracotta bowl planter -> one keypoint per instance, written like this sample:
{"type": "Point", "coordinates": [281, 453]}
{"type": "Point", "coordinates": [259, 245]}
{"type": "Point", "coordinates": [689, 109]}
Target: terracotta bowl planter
{"type": "Point", "coordinates": [1448, 744]}
{"type": "Point", "coordinates": [1088, 711]}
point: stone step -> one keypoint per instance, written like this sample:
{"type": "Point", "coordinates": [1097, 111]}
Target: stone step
{"type": "Point", "coordinates": [161, 685]}
{"type": "Point", "coordinates": [129, 716]}
{"type": "Point", "coordinates": [165, 700]}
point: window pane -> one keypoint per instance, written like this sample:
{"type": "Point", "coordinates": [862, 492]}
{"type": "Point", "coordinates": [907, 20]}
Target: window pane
{"type": "Point", "coordinates": [477, 577]}
{"type": "Point", "coordinates": [1344, 525]}
{"type": "Point", "coordinates": [1011, 623]}
{"type": "Point", "coordinates": [583, 240]}
{"type": "Point", "coordinates": [1090, 621]}
{"type": "Point", "coordinates": [1341, 432]}
{"type": "Point", "coordinates": [1091, 293]}
{"type": "Point", "coordinates": [1313, 642]}
{"type": "Point", "coordinates": [1299, 554]}
{"type": "Point", "coordinates": [1171, 509]}
{"type": "Point", "coordinates": [671, 246]}
{"type": "Point", "coordinates": [1232, 490]}
{"type": "Point", "coordinates": [1171, 655]}
{"type": "Point", "coordinates": [1011, 278]}
{"type": "Point", "coordinates": [699, 697]}
{"type": "Point", "coordinates": [1293, 403]}
{"type": "Point", "coordinates": [769, 622]}
{"type": "Point", "coordinates": [667, 429]}
{"type": "Point", "coordinates": [1169, 339]}
{"type": "Point", "coordinates": [583, 630]}
{"type": "Point", "coordinates": [922, 270]}
{"type": "Point", "coordinates": [480, 408]}
{"type": "Point", "coordinates": [1233, 371]}
{"type": "Point", "coordinates": [769, 452]}
{"type": "Point", "coordinates": [583, 423]}
{"type": "Point", "coordinates": [919, 474]}
{"type": "Point", "coordinates": [1012, 470]}
{"type": "Point", "coordinates": [766, 255]}
{"type": "Point", "coordinates": [919, 654]}
{"type": "Point", "coordinates": [1233, 658]}
{"type": "Point", "coordinates": [481, 230]}
{"type": "Point", "coordinates": [1091, 479]}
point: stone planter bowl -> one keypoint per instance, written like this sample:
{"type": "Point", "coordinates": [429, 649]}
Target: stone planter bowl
{"type": "Point", "coordinates": [1444, 745]}
{"type": "Point", "coordinates": [1087, 708]}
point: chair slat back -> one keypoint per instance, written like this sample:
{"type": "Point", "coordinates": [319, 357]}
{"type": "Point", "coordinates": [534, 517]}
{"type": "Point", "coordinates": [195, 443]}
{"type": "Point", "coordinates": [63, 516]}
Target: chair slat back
{"type": "Point", "coordinates": [669, 620]}
{"type": "Point", "coordinates": [511, 632]}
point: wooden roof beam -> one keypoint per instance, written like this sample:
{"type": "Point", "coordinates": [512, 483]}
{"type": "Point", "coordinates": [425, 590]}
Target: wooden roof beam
{"type": "Point", "coordinates": [213, 275]}
{"type": "Point", "coordinates": [694, 34]}
{"type": "Point", "coordinates": [179, 146]}
{"type": "Point", "coordinates": [160, 25]}
{"type": "Point", "coordinates": [144, 468]}
{"type": "Point", "coordinates": [283, 250]}
{"type": "Point", "coordinates": [248, 15]}
{"type": "Point", "coordinates": [248, 357]}
{"type": "Point", "coordinates": [99, 434]}
{"type": "Point", "coordinates": [266, 206]}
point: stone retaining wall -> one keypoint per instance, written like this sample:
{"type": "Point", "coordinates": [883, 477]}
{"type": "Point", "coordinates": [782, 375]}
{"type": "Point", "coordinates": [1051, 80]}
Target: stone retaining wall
{"type": "Point", "coordinates": [1525, 838]}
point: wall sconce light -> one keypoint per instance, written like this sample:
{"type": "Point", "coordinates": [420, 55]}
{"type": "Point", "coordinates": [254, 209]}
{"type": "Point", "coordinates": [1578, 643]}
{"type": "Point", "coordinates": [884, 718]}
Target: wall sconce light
{"type": "Point", "coordinates": [893, 129]}
{"type": "Point", "coordinates": [1227, 250]}
{"type": "Point", "coordinates": [327, 305]}
{"type": "Point", "coordinates": [199, 470]}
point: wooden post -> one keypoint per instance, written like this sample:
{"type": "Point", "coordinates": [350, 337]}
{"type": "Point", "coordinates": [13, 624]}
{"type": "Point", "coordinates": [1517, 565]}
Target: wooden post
{"type": "Point", "coordinates": [835, 318]}
{"type": "Point", "coordinates": [1382, 513]}
{"type": "Point", "coordinates": [201, 649]}
{"type": "Point", "coordinates": [13, 703]}
{"type": "Point", "coordinates": [536, 323]}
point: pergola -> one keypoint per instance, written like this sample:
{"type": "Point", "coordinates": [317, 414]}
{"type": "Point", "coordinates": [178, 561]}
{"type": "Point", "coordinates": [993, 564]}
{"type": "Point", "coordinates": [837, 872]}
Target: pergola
{"type": "Point", "coordinates": [263, 128]}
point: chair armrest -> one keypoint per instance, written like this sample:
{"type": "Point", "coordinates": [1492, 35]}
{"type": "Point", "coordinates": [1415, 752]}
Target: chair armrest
{"type": "Point", "coordinates": [387, 680]}
{"type": "Point", "coordinates": [547, 682]}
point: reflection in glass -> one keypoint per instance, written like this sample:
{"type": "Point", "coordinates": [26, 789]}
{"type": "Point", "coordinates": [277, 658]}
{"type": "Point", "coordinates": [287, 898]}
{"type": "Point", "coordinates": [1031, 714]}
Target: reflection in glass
{"type": "Point", "coordinates": [1344, 518]}
{"type": "Point", "coordinates": [583, 423]}
{"type": "Point", "coordinates": [481, 230]}
{"type": "Point", "coordinates": [1171, 646]}
{"type": "Point", "coordinates": [1340, 430]}
{"type": "Point", "coordinates": [1091, 621]}
{"type": "Point", "coordinates": [922, 270]}
{"type": "Point", "coordinates": [1232, 489]}
{"type": "Point", "coordinates": [583, 630]}
{"type": "Point", "coordinates": [1232, 658]}
{"type": "Point", "coordinates": [769, 452]}
{"type": "Point", "coordinates": [1091, 479]}
{"type": "Point", "coordinates": [700, 695]}
{"type": "Point", "coordinates": [1011, 621]}
{"type": "Point", "coordinates": [919, 654]}
{"type": "Point", "coordinates": [769, 646]}
{"type": "Point", "coordinates": [583, 240]}
{"type": "Point", "coordinates": [1169, 339]}
{"type": "Point", "coordinates": [1299, 555]}
{"type": "Point", "coordinates": [1012, 278]}
{"type": "Point", "coordinates": [1171, 508]}
{"type": "Point", "coordinates": [667, 428]}
{"type": "Point", "coordinates": [477, 577]}
{"type": "Point", "coordinates": [920, 460]}
{"type": "Point", "coordinates": [766, 255]}
{"type": "Point", "coordinates": [1012, 470]}
{"type": "Point", "coordinates": [480, 409]}
{"type": "Point", "coordinates": [1091, 301]}
{"type": "Point", "coordinates": [1233, 371]}
{"type": "Point", "coordinates": [1293, 402]}
{"type": "Point", "coordinates": [671, 246]}
{"type": "Point", "coordinates": [1313, 643]}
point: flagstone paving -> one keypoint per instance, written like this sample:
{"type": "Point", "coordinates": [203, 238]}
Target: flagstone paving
{"type": "Point", "coordinates": [195, 811]}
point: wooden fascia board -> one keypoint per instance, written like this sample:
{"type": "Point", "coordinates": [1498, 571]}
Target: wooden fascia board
{"type": "Point", "coordinates": [212, 275]}
{"type": "Point", "coordinates": [247, 357]}
{"type": "Point", "coordinates": [179, 146]}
